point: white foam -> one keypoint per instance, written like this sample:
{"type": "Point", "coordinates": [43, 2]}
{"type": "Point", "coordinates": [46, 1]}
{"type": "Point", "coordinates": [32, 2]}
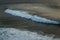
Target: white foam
{"type": "Point", "coordinates": [32, 17]}
{"type": "Point", "coordinates": [16, 34]}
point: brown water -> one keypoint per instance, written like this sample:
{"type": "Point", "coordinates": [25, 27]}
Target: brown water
{"type": "Point", "coordinates": [7, 20]}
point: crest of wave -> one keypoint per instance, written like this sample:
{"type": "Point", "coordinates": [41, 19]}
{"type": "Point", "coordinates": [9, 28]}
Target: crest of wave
{"type": "Point", "coordinates": [16, 34]}
{"type": "Point", "coordinates": [25, 14]}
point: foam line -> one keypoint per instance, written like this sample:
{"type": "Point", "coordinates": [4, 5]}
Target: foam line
{"type": "Point", "coordinates": [26, 15]}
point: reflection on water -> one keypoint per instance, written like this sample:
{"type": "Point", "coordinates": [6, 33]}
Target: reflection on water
{"type": "Point", "coordinates": [16, 34]}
